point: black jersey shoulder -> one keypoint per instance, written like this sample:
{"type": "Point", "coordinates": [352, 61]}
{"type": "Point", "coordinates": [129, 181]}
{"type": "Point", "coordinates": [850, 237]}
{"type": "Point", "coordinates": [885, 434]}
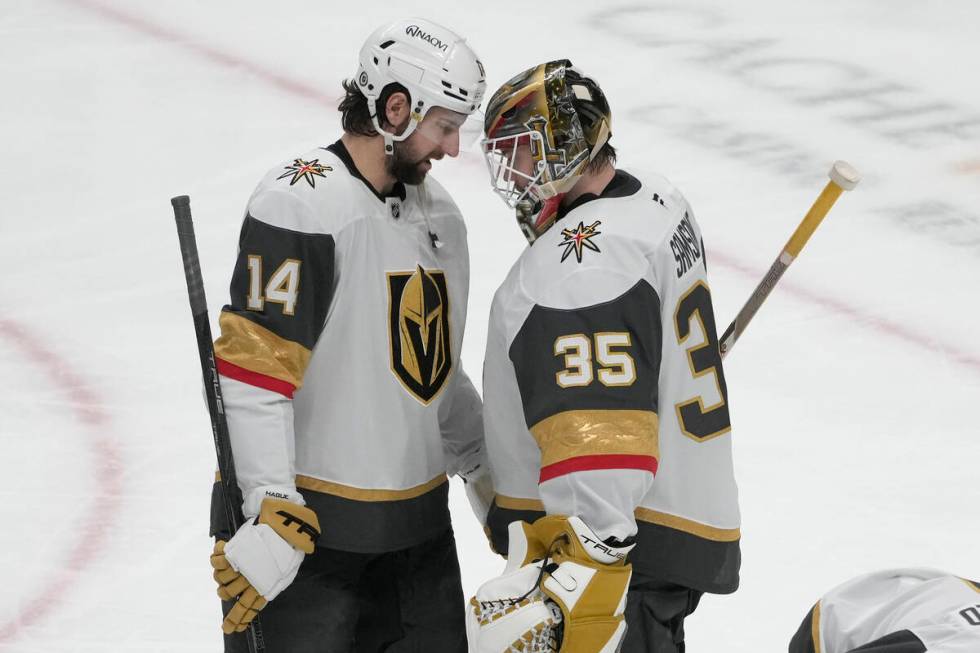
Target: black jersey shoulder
{"type": "Point", "coordinates": [275, 263]}
{"type": "Point", "coordinates": [537, 354]}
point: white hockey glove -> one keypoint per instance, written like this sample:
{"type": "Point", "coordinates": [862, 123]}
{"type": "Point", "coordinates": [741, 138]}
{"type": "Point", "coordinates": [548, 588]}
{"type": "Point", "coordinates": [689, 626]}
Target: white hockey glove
{"type": "Point", "coordinates": [262, 558]}
{"type": "Point", "coordinates": [479, 491]}
{"type": "Point", "coordinates": [562, 590]}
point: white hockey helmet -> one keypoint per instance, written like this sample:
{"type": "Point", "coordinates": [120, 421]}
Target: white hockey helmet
{"type": "Point", "coordinates": [434, 64]}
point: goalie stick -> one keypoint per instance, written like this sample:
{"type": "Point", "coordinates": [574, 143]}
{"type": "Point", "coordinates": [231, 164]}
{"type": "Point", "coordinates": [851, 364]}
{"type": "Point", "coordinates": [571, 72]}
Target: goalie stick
{"type": "Point", "coordinates": [209, 370]}
{"type": "Point", "coordinates": [843, 177]}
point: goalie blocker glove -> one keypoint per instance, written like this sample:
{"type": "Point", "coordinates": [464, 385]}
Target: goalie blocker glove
{"type": "Point", "coordinates": [262, 558]}
{"type": "Point", "coordinates": [563, 590]}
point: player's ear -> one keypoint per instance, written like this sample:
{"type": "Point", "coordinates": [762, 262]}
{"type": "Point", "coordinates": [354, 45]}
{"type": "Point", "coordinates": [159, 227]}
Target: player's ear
{"type": "Point", "coordinates": [397, 110]}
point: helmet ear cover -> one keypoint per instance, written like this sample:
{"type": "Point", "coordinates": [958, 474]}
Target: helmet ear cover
{"type": "Point", "coordinates": [380, 105]}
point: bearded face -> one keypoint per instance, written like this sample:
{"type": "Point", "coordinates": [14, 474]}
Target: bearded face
{"type": "Point", "coordinates": [436, 136]}
{"type": "Point", "coordinates": [409, 163]}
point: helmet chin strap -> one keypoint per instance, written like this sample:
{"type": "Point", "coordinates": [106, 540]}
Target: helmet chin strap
{"type": "Point", "coordinates": [389, 138]}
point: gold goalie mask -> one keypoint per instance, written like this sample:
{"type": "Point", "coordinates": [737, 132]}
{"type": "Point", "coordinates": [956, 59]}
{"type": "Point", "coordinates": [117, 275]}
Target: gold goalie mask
{"type": "Point", "coordinates": [558, 116]}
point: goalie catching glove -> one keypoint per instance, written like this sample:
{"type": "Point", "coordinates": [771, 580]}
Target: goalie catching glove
{"type": "Point", "coordinates": [262, 558]}
{"type": "Point", "coordinates": [563, 590]}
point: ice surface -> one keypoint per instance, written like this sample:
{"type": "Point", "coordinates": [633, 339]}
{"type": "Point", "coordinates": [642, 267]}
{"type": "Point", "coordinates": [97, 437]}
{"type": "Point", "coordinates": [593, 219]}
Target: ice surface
{"type": "Point", "coordinates": [854, 393]}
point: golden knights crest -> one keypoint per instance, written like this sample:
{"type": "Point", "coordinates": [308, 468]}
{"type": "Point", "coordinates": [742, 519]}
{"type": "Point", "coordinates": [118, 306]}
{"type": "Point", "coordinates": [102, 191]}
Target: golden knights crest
{"type": "Point", "coordinates": [418, 331]}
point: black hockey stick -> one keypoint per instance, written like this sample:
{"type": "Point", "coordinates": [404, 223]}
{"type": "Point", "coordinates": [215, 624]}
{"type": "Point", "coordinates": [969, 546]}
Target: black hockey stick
{"type": "Point", "coordinates": [209, 370]}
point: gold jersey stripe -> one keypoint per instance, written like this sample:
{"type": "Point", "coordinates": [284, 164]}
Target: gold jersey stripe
{"type": "Point", "coordinates": [361, 494]}
{"type": "Point", "coordinates": [815, 628]}
{"type": "Point", "coordinates": [514, 503]}
{"type": "Point", "coordinates": [574, 433]}
{"type": "Point", "coordinates": [688, 526]}
{"type": "Point", "coordinates": [253, 347]}
{"type": "Point", "coordinates": [642, 514]}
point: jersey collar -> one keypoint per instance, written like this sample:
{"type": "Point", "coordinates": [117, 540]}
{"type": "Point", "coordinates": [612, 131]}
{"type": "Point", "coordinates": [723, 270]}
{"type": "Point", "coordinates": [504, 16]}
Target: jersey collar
{"type": "Point", "coordinates": [340, 151]}
{"type": "Point", "coordinates": [623, 184]}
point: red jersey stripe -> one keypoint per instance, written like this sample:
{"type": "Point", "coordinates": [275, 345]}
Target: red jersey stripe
{"type": "Point", "coordinates": [264, 381]}
{"type": "Point", "coordinates": [602, 461]}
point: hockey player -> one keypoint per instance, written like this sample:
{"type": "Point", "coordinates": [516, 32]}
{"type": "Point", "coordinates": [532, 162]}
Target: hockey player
{"type": "Point", "coordinates": [894, 611]}
{"type": "Point", "coordinates": [339, 358]}
{"type": "Point", "coordinates": [606, 410]}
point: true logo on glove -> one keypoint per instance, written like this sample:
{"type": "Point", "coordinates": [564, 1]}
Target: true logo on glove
{"type": "Point", "coordinates": [601, 546]}
{"type": "Point", "coordinates": [303, 528]}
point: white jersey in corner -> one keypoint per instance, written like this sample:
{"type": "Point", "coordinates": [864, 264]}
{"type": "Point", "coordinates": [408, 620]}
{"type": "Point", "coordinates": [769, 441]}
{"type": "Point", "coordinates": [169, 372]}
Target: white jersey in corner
{"type": "Point", "coordinates": [895, 611]}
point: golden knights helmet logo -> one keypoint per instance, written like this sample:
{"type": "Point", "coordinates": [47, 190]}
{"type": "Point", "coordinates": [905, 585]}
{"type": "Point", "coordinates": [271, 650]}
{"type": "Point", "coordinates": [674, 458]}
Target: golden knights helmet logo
{"type": "Point", "coordinates": [418, 331]}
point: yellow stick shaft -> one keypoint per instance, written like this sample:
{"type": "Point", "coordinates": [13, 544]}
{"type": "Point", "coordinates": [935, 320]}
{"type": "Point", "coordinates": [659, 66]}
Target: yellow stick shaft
{"type": "Point", "coordinates": [813, 218]}
{"type": "Point", "coordinates": [842, 177]}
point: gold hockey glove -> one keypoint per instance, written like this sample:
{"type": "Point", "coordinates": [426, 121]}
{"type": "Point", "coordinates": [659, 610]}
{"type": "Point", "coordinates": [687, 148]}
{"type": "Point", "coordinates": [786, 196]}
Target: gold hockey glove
{"type": "Point", "coordinates": [588, 580]}
{"type": "Point", "coordinates": [262, 558]}
{"type": "Point", "coordinates": [562, 590]}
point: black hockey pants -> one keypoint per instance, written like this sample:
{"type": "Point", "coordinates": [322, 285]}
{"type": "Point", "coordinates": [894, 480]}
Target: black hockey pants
{"type": "Point", "coordinates": [655, 614]}
{"type": "Point", "coordinates": [408, 601]}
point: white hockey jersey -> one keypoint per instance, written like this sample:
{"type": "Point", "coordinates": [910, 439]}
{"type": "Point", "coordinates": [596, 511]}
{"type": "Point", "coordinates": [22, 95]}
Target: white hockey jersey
{"type": "Point", "coordinates": [604, 391]}
{"type": "Point", "coordinates": [339, 352]}
{"type": "Point", "coordinates": [895, 611]}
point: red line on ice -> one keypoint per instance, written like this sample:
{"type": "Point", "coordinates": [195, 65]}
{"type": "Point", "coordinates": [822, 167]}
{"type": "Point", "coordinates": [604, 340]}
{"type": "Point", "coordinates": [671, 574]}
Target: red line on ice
{"type": "Point", "coordinates": [859, 317]}
{"type": "Point", "coordinates": [223, 58]}
{"type": "Point", "coordinates": [212, 54]}
{"type": "Point", "coordinates": [93, 528]}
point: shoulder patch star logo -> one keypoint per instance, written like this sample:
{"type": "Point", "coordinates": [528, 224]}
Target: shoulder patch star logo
{"type": "Point", "coordinates": [579, 239]}
{"type": "Point", "coordinates": [305, 170]}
